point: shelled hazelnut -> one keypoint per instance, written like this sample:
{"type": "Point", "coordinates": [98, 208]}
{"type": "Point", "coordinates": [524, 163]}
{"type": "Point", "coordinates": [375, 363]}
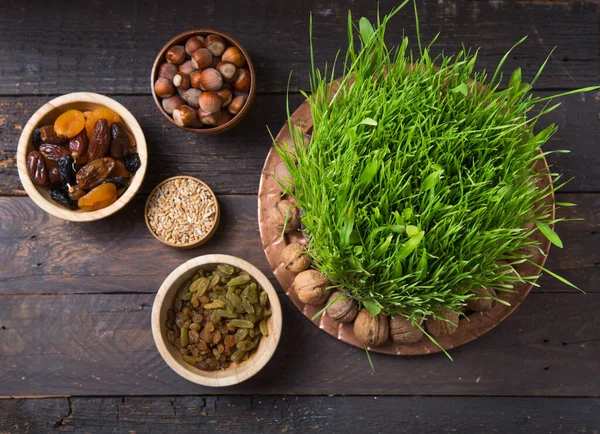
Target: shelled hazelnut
{"type": "Point", "coordinates": [203, 81]}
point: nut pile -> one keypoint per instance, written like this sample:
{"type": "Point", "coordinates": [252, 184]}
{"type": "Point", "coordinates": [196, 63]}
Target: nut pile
{"type": "Point", "coordinates": [85, 158]}
{"type": "Point", "coordinates": [182, 211]}
{"type": "Point", "coordinates": [218, 318]}
{"type": "Point", "coordinates": [203, 83]}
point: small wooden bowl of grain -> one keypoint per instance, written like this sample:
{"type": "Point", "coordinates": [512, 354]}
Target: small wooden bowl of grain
{"type": "Point", "coordinates": [182, 212]}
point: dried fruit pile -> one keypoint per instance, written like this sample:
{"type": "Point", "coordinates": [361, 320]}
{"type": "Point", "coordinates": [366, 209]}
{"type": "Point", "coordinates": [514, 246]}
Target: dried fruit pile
{"type": "Point", "coordinates": [218, 318]}
{"type": "Point", "coordinates": [85, 158]}
{"type": "Point", "coordinates": [203, 83]}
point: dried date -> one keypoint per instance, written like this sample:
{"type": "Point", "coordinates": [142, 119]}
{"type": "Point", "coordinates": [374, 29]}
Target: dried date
{"type": "Point", "coordinates": [78, 145]}
{"type": "Point", "coordinates": [99, 140]}
{"type": "Point", "coordinates": [119, 141]}
{"type": "Point", "coordinates": [93, 173]}
{"type": "Point", "coordinates": [37, 168]}
{"type": "Point", "coordinates": [53, 172]}
{"type": "Point", "coordinates": [48, 135]}
{"type": "Point", "coordinates": [53, 152]}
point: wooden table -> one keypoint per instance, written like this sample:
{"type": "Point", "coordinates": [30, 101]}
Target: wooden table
{"type": "Point", "coordinates": [75, 299]}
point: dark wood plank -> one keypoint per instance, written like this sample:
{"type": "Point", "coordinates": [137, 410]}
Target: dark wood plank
{"type": "Point", "coordinates": [118, 254]}
{"type": "Point", "coordinates": [319, 414]}
{"type": "Point", "coordinates": [102, 345]}
{"type": "Point", "coordinates": [110, 48]}
{"type": "Point", "coordinates": [231, 163]}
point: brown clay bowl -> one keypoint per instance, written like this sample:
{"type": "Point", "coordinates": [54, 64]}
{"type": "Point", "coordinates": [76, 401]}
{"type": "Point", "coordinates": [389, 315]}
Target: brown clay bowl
{"type": "Point", "coordinates": [180, 40]}
{"type": "Point", "coordinates": [46, 115]}
{"type": "Point", "coordinates": [236, 372]}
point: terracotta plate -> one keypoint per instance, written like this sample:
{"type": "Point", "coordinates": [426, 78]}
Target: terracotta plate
{"type": "Point", "coordinates": [471, 327]}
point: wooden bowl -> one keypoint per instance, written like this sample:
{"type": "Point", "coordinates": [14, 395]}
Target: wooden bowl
{"type": "Point", "coordinates": [46, 115]}
{"type": "Point", "coordinates": [236, 372]}
{"type": "Point", "coordinates": [180, 40]}
{"type": "Point", "coordinates": [208, 235]}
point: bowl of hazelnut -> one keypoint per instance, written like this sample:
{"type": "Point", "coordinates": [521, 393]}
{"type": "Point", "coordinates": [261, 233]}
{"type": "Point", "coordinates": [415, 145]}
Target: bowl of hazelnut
{"type": "Point", "coordinates": [203, 81]}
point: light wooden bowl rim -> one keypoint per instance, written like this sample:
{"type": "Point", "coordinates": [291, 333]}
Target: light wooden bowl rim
{"type": "Point", "coordinates": [235, 373]}
{"type": "Point", "coordinates": [179, 39]}
{"type": "Point", "coordinates": [25, 146]}
{"type": "Point", "coordinates": [206, 237]}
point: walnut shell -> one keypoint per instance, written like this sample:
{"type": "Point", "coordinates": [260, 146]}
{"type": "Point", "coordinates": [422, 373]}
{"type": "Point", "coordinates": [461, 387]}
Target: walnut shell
{"type": "Point", "coordinates": [342, 310]}
{"type": "Point", "coordinates": [295, 258]}
{"type": "Point", "coordinates": [280, 211]}
{"type": "Point", "coordinates": [371, 330]}
{"type": "Point", "coordinates": [283, 176]}
{"type": "Point", "coordinates": [483, 300]}
{"type": "Point", "coordinates": [440, 328]}
{"type": "Point", "coordinates": [403, 331]}
{"type": "Point", "coordinates": [311, 287]}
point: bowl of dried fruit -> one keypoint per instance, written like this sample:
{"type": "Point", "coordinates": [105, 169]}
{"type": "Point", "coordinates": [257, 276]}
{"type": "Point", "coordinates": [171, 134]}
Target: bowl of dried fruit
{"type": "Point", "coordinates": [216, 320]}
{"type": "Point", "coordinates": [82, 156]}
{"type": "Point", "coordinates": [203, 81]}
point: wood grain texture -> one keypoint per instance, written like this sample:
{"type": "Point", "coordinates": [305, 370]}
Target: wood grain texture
{"type": "Point", "coordinates": [300, 414]}
{"type": "Point", "coordinates": [101, 344]}
{"type": "Point", "coordinates": [42, 254]}
{"type": "Point", "coordinates": [110, 48]}
{"type": "Point", "coordinates": [231, 162]}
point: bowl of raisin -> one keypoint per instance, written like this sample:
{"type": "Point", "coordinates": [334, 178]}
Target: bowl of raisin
{"type": "Point", "coordinates": [82, 156]}
{"type": "Point", "coordinates": [216, 320]}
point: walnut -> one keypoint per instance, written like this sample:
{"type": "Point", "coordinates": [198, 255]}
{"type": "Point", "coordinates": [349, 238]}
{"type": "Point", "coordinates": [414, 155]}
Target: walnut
{"type": "Point", "coordinates": [444, 326]}
{"type": "Point", "coordinates": [311, 287]}
{"type": "Point", "coordinates": [283, 176]}
{"type": "Point", "coordinates": [285, 215]}
{"type": "Point", "coordinates": [403, 331]}
{"type": "Point", "coordinates": [343, 309]}
{"type": "Point", "coordinates": [295, 258]}
{"type": "Point", "coordinates": [371, 330]}
{"type": "Point", "coordinates": [483, 300]}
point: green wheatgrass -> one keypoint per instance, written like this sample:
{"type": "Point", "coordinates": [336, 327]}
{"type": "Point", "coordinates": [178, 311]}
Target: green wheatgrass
{"type": "Point", "coordinates": [419, 175]}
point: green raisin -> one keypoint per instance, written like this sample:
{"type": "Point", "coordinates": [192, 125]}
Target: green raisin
{"type": "Point", "coordinates": [227, 314]}
{"type": "Point", "coordinates": [264, 298]}
{"type": "Point", "coordinates": [239, 280]}
{"type": "Point", "coordinates": [216, 304]}
{"type": "Point", "coordinates": [200, 286]}
{"type": "Point", "coordinates": [247, 306]}
{"type": "Point", "coordinates": [237, 355]}
{"type": "Point", "coordinates": [264, 328]}
{"type": "Point", "coordinates": [242, 323]}
{"type": "Point", "coordinates": [189, 359]}
{"type": "Point", "coordinates": [187, 296]}
{"type": "Point", "coordinates": [183, 337]}
{"type": "Point", "coordinates": [245, 345]}
{"type": "Point", "coordinates": [240, 335]}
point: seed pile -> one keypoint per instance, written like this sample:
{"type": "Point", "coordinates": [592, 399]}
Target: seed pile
{"type": "Point", "coordinates": [182, 211]}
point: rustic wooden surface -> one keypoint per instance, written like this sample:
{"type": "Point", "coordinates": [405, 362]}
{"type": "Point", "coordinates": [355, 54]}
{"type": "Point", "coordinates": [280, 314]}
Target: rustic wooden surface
{"type": "Point", "coordinates": [75, 299]}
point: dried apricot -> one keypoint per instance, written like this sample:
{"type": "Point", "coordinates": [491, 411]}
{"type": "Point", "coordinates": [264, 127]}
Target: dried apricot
{"type": "Point", "coordinates": [100, 113]}
{"type": "Point", "coordinates": [69, 124]}
{"type": "Point", "coordinates": [100, 197]}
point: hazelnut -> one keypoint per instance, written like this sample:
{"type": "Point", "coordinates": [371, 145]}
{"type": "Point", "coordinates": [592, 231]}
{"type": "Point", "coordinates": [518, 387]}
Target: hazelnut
{"type": "Point", "coordinates": [403, 331]}
{"type": "Point", "coordinates": [176, 54]}
{"type": "Point", "coordinates": [208, 118]}
{"type": "Point", "coordinates": [215, 44]}
{"type": "Point", "coordinates": [311, 287]}
{"type": "Point", "coordinates": [283, 176]}
{"type": "Point", "coordinates": [195, 79]}
{"type": "Point", "coordinates": [181, 81]}
{"type": "Point", "coordinates": [210, 79]}
{"type": "Point", "coordinates": [164, 88]}
{"type": "Point", "coordinates": [371, 331]}
{"type": "Point", "coordinates": [295, 258]}
{"type": "Point", "coordinates": [167, 70]}
{"type": "Point", "coordinates": [342, 308]}
{"type": "Point", "coordinates": [236, 104]}
{"type": "Point", "coordinates": [171, 103]}
{"type": "Point", "coordinates": [191, 96]}
{"type": "Point", "coordinates": [225, 117]}
{"type": "Point", "coordinates": [228, 71]}
{"type": "Point", "coordinates": [201, 58]}
{"type": "Point", "coordinates": [285, 216]}
{"type": "Point", "coordinates": [483, 300]}
{"type": "Point", "coordinates": [194, 43]}
{"type": "Point", "coordinates": [225, 95]}
{"type": "Point", "coordinates": [184, 116]}
{"type": "Point", "coordinates": [187, 67]}
{"type": "Point", "coordinates": [242, 80]}
{"type": "Point", "coordinates": [233, 55]}
{"type": "Point", "coordinates": [445, 326]}
{"type": "Point", "coordinates": [210, 102]}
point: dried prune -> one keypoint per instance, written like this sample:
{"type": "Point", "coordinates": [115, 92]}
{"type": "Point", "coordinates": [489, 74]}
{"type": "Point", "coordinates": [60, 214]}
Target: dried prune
{"type": "Point", "coordinates": [101, 197]}
{"type": "Point", "coordinates": [92, 174]}
{"type": "Point", "coordinates": [78, 145]}
{"type": "Point", "coordinates": [61, 196]}
{"type": "Point", "coordinates": [37, 139]}
{"type": "Point", "coordinates": [53, 152]}
{"type": "Point", "coordinates": [119, 140]}
{"type": "Point", "coordinates": [48, 135]}
{"type": "Point", "coordinates": [69, 123]}
{"type": "Point", "coordinates": [37, 168]}
{"type": "Point", "coordinates": [66, 170]}
{"type": "Point", "coordinates": [118, 181]}
{"type": "Point", "coordinates": [99, 140]}
{"type": "Point", "coordinates": [132, 162]}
